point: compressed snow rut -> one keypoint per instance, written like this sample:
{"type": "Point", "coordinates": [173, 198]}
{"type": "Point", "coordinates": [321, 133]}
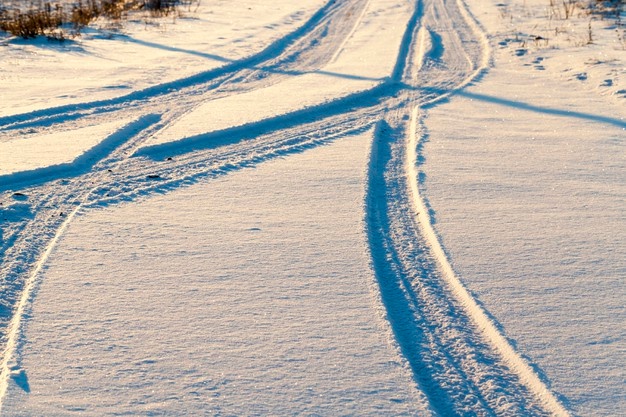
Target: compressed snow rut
{"type": "Point", "coordinates": [460, 359]}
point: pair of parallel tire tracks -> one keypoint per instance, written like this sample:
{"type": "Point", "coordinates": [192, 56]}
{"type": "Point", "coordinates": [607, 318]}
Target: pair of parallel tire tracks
{"type": "Point", "coordinates": [459, 358]}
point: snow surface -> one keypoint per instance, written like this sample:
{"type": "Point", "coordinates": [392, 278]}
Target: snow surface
{"type": "Point", "coordinates": [365, 59]}
{"type": "Point", "coordinates": [192, 221]}
{"type": "Point", "coordinates": [108, 63]}
{"type": "Point", "coordinates": [528, 196]}
{"type": "Point", "coordinates": [248, 295]}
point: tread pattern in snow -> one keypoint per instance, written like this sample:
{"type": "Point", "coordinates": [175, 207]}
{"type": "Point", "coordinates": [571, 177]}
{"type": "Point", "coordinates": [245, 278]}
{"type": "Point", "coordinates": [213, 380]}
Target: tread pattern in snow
{"type": "Point", "coordinates": [443, 50]}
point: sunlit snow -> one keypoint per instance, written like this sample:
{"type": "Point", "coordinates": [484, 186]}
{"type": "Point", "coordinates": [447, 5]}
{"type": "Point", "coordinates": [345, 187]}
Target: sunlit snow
{"type": "Point", "coordinates": [342, 207]}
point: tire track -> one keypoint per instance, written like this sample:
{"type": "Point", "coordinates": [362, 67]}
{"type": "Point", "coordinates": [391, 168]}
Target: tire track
{"type": "Point", "coordinates": [181, 87]}
{"type": "Point", "coordinates": [459, 359]}
{"type": "Point", "coordinates": [56, 203]}
{"type": "Point", "coordinates": [304, 50]}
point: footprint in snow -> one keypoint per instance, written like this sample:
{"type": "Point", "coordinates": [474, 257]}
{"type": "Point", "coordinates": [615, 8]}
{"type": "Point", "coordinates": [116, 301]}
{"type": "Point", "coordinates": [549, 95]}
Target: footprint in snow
{"type": "Point", "coordinates": [521, 52]}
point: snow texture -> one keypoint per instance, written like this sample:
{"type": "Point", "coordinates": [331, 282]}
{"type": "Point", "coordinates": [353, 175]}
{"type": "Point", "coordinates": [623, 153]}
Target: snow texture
{"type": "Point", "coordinates": [356, 207]}
{"type": "Point", "coordinates": [249, 295]}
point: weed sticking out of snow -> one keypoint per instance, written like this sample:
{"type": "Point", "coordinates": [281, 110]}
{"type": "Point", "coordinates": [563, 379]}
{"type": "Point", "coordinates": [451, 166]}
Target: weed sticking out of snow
{"type": "Point", "coordinates": [66, 19]}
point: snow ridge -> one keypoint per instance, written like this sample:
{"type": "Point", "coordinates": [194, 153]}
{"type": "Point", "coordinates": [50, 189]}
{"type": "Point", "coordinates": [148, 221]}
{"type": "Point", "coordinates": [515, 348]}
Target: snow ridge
{"type": "Point", "coordinates": [527, 375]}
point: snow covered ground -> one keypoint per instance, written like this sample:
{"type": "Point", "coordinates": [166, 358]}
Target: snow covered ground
{"type": "Point", "coordinates": [223, 214]}
{"type": "Point", "coordinates": [525, 174]}
{"type": "Point", "coordinates": [248, 295]}
{"type": "Point", "coordinates": [105, 64]}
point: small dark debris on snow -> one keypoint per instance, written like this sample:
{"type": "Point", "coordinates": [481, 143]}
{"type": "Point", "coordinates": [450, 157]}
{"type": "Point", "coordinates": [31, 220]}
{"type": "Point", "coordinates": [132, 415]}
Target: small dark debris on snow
{"type": "Point", "coordinates": [109, 170]}
{"type": "Point", "coordinates": [62, 214]}
{"type": "Point", "coordinates": [154, 176]}
{"type": "Point", "coordinates": [169, 158]}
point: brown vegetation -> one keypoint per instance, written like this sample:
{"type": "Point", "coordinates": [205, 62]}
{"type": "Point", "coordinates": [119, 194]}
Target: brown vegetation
{"type": "Point", "coordinates": [53, 20]}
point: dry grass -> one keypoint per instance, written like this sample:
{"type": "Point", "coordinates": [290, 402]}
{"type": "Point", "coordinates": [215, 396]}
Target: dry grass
{"type": "Point", "coordinates": [58, 21]}
{"type": "Point", "coordinates": [31, 23]}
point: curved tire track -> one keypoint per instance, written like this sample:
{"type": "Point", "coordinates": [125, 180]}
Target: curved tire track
{"type": "Point", "coordinates": [459, 359]}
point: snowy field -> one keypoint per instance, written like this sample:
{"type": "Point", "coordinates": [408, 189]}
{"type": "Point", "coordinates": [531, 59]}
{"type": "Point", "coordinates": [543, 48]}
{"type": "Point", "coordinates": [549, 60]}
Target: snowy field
{"type": "Point", "coordinates": [103, 64]}
{"type": "Point", "coordinates": [234, 311]}
{"type": "Point", "coordinates": [357, 207]}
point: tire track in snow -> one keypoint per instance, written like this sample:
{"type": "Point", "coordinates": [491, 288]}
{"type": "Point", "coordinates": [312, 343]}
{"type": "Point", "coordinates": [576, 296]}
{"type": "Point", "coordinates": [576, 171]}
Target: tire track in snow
{"type": "Point", "coordinates": [459, 358]}
{"type": "Point", "coordinates": [452, 364]}
{"type": "Point", "coordinates": [331, 9]}
{"type": "Point", "coordinates": [61, 113]}
{"type": "Point", "coordinates": [84, 163]}
{"type": "Point", "coordinates": [438, 329]}
{"type": "Point", "coordinates": [354, 27]}
{"type": "Point", "coordinates": [273, 60]}
{"type": "Point", "coordinates": [21, 273]}
{"type": "Point", "coordinates": [9, 366]}
{"type": "Point", "coordinates": [57, 203]}
{"type": "Point", "coordinates": [486, 326]}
